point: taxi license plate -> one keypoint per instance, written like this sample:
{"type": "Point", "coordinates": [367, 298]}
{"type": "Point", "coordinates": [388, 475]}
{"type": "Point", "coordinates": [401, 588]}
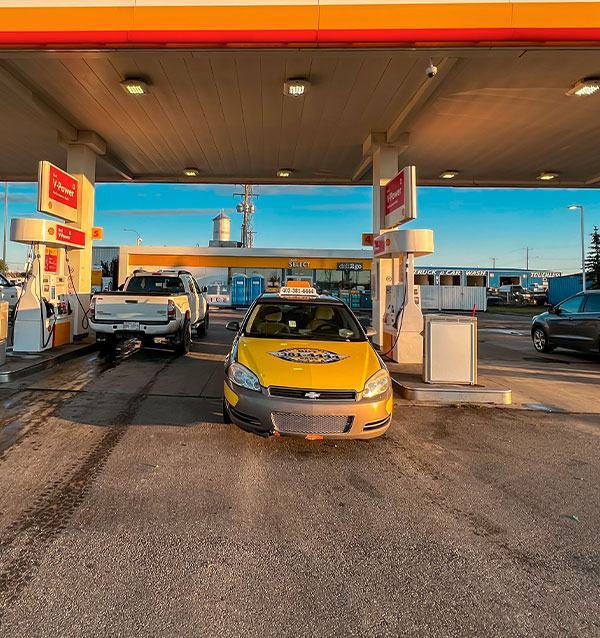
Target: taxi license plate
{"type": "Point", "coordinates": [131, 325]}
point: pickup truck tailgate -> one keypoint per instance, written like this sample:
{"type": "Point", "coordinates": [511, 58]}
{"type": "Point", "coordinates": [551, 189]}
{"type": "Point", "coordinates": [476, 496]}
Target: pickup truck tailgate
{"type": "Point", "coordinates": [131, 308]}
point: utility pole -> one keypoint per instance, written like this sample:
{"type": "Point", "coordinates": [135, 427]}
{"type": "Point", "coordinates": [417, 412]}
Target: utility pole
{"type": "Point", "coordinates": [246, 206]}
{"type": "Point", "coordinates": [493, 262]}
{"type": "Point", "coordinates": [246, 236]}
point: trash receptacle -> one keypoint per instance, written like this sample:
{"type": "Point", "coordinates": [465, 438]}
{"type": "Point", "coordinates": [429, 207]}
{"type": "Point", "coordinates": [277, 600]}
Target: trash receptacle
{"type": "Point", "coordinates": [450, 349]}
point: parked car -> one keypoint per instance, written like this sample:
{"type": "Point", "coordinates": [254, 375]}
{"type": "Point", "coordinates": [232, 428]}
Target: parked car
{"type": "Point", "coordinates": [515, 294]}
{"type": "Point", "coordinates": [573, 324]}
{"type": "Point", "coordinates": [9, 292]}
{"type": "Point", "coordinates": [539, 294]}
{"type": "Point", "coordinates": [165, 304]}
{"type": "Point", "coordinates": [302, 365]}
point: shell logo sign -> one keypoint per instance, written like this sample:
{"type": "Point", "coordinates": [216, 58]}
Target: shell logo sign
{"type": "Point", "coordinates": [123, 23]}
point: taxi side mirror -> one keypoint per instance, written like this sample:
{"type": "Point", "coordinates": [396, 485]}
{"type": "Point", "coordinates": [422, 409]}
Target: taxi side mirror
{"type": "Point", "coordinates": [233, 325]}
{"type": "Point", "coordinates": [552, 310]}
{"type": "Point", "coordinates": [370, 332]}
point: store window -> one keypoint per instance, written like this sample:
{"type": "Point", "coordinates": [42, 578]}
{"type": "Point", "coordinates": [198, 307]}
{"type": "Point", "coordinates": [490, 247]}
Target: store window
{"type": "Point", "coordinates": [477, 280]}
{"type": "Point", "coordinates": [328, 281]}
{"type": "Point", "coordinates": [332, 281]}
{"type": "Point", "coordinates": [449, 280]}
{"type": "Point", "coordinates": [425, 280]}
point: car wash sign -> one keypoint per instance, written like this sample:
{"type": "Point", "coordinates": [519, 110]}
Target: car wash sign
{"type": "Point", "coordinates": [400, 198]}
{"type": "Point", "coordinates": [57, 192]}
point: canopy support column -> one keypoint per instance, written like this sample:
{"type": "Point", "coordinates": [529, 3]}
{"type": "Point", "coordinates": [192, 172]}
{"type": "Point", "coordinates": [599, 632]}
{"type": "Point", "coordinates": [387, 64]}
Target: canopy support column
{"type": "Point", "coordinates": [385, 168]}
{"type": "Point", "coordinates": [81, 163]}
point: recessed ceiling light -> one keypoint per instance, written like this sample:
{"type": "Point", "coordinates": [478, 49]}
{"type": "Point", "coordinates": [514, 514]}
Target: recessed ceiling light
{"type": "Point", "coordinates": [191, 172]}
{"type": "Point", "coordinates": [135, 86]}
{"type": "Point", "coordinates": [284, 172]}
{"type": "Point", "coordinates": [587, 86]}
{"type": "Point", "coordinates": [546, 176]}
{"type": "Point", "coordinates": [296, 87]}
{"type": "Point", "coordinates": [449, 174]}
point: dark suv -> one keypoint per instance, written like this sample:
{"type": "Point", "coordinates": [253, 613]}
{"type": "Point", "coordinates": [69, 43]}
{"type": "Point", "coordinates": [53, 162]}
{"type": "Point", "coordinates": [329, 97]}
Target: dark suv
{"type": "Point", "coordinates": [573, 324]}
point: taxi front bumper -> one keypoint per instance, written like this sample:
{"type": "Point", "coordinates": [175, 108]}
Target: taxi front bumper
{"type": "Point", "coordinates": [266, 415]}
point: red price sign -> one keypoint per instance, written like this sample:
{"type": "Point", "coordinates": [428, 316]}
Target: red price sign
{"type": "Point", "coordinates": [51, 260]}
{"type": "Point", "coordinates": [70, 235]}
{"type": "Point", "coordinates": [62, 188]}
{"type": "Point", "coordinates": [394, 194]}
{"type": "Point", "coordinates": [57, 192]}
{"type": "Point", "coordinates": [379, 246]}
{"type": "Point", "coordinates": [400, 198]}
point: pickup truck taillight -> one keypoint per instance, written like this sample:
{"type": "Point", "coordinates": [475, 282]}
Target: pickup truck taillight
{"type": "Point", "coordinates": [93, 309]}
{"type": "Point", "coordinates": [171, 310]}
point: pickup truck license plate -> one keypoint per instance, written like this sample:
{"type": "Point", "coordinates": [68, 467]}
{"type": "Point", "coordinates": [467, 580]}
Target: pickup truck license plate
{"type": "Point", "coordinates": [131, 325]}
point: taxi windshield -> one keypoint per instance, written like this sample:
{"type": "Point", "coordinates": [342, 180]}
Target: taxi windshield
{"type": "Point", "coordinates": [303, 320]}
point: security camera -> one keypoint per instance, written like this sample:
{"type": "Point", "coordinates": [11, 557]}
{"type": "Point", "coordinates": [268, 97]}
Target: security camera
{"type": "Point", "coordinates": [431, 70]}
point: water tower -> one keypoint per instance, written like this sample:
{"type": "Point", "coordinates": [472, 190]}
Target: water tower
{"type": "Point", "coordinates": [222, 232]}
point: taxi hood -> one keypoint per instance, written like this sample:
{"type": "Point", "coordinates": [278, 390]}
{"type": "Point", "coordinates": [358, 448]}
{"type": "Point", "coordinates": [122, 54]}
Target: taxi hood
{"type": "Point", "coordinates": [296, 363]}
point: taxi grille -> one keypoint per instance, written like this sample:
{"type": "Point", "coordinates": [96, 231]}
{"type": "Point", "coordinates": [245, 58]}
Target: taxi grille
{"type": "Point", "coordinates": [323, 395]}
{"type": "Point", "coordinates": [289, 423]}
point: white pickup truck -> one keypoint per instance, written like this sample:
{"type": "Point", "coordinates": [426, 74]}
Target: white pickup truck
{"type": "Point", "coordinates": [8, 292]}
{"type": "Point", "coordinates": [165, 304]}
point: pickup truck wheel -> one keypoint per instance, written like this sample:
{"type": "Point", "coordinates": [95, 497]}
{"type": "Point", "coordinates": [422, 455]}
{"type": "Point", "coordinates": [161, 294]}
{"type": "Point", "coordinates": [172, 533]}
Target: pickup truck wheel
{"type": "Point", "coordinates": [185, 340]}
{"type": "Point", "coordinates": [226, 417]}
{"type": "Point", "coordinates": [203, 327]}
{"type": "Point", "coordinates": [108, 347]}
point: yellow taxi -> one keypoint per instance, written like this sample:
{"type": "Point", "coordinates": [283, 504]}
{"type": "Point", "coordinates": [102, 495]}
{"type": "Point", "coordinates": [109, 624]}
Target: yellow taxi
{"type": "Point", "coordinates": [302, 365]}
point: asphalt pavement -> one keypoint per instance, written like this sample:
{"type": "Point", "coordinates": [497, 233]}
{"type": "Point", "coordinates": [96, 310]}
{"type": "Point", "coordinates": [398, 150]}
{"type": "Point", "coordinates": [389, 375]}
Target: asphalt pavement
{"type": "Point", "coordinates": [129, 509]}
{"type": "Point", "coordinates": [558, 381]}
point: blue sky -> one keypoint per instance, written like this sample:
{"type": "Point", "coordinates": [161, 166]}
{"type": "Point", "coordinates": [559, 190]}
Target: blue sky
{"type": "Point", "coordinates": [471, 225]}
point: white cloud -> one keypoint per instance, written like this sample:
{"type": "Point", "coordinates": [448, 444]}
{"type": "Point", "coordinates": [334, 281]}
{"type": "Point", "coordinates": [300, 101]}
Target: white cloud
{"type": "Point", "coordinates": [341, 206]}
{"type": "Point", "coordinates": [21, 198]}
{"type": "Point", "coordinates": [190, 212]}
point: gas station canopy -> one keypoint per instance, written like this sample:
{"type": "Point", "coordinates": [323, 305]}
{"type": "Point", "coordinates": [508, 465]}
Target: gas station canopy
{"type": "Point", "coordinates": [495, 113]}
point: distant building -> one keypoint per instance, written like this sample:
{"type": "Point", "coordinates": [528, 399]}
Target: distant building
{"type": "Point", "coordinates": [346, 273]}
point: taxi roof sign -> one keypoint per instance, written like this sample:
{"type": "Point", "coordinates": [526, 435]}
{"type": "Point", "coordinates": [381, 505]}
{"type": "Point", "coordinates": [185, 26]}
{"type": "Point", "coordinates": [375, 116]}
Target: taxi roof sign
{"type": "Point", "coordinates": [298, 291]}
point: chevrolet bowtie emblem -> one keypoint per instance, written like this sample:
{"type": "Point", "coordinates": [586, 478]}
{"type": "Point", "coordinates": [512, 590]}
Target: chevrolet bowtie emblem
{"type": "Point", "coordinates": [312, 395]}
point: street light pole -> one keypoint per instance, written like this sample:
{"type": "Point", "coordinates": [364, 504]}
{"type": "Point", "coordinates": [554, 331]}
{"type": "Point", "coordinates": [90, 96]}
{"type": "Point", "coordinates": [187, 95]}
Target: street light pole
{"type": "Point", "coordinates": [139, 237]}
{"type": "Point", "coordinates": [574, 207]}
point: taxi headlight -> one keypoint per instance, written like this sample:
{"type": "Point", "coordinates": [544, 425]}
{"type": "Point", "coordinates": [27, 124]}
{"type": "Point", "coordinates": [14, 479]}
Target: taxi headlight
{"type": "Point", "coordinates": [377, 384]}
{"type": "Point", "coordinates": [240, 375]}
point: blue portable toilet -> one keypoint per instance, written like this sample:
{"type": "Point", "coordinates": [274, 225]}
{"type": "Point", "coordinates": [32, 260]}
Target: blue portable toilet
{"type": "Point", "coordinates": [257, 287]}
{"type": "Point", "coordinates": [239, 293]}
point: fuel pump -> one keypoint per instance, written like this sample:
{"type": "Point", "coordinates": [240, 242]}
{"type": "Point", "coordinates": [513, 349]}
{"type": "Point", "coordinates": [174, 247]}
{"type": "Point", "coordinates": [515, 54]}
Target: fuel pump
{"type": "Point", "coordinates": [43, 316]}
{"type": "Point", "coordinates": [403, 319]}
